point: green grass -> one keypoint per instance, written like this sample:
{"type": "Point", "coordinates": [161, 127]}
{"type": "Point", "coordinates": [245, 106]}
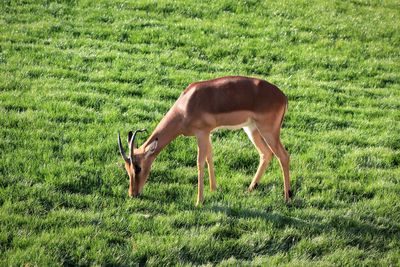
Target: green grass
{"type": "Point", "coordinates": [74, 73]}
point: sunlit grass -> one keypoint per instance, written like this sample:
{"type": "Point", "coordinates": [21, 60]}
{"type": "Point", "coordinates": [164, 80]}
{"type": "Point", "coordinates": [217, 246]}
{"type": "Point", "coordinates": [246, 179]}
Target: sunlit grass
{"type": "Point", "coordinates": [74, 73]}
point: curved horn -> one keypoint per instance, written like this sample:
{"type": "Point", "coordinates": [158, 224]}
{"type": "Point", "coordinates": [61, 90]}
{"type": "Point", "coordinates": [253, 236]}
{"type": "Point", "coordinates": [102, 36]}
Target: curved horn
{"type": "Point", "coordinates": [132, 142]}
{"type": "Point", "coordinates": [121, 149]}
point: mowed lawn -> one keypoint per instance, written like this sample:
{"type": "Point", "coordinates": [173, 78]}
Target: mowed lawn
{"type": "Point", "coordinates": [74, 73]}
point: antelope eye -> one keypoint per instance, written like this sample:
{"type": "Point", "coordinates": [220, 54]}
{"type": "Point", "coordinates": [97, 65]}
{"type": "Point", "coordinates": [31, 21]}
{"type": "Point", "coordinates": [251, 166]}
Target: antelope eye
{"type": "Point", "coordinates": [137, 169]}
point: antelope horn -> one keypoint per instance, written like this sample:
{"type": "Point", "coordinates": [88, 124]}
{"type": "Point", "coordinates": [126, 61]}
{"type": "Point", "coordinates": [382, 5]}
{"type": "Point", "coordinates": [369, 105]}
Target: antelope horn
{"type": "Point", "coordinates": [121, 149]}
{"type": "Point", "coordinates": [132, 142]}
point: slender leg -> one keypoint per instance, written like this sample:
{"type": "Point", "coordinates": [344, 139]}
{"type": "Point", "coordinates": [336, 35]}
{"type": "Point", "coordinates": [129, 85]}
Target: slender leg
{"type": "Point", "coordinates": [210, 164]}
{"type": "Point", "coordinates": [265, 155]}
{"type": "Point", "coordinates": [274, 143]}
{"type": "Point", "coordinates": [202, 144]}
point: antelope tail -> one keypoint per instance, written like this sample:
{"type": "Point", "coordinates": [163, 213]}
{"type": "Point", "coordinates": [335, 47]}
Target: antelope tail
{"type": "Point", "coordinates": [286, 109]}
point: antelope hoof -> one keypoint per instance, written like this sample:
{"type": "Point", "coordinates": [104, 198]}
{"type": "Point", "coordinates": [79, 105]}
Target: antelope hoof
{"type": "Point", "coordinates": [133, 195]}
{"type": "Point", "coordinates": [252, 187]}
{"type": "Point", "coordinates": [289, 196]}
{"type": "Point", "coordinates": [199, 203]}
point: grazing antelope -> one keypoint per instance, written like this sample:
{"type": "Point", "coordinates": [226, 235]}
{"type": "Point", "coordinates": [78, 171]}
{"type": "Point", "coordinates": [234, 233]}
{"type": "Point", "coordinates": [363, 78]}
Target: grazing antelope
{"type": "Point", "coordinates": [229, 102]}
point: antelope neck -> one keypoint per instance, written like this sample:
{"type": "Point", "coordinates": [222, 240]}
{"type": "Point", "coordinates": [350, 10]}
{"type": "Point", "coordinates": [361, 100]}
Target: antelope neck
{"type": "Point", "coordinates": [166, 131]}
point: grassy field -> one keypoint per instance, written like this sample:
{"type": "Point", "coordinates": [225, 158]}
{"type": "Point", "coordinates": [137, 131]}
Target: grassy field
{"type": "Point", "coordinates": [74, 73]}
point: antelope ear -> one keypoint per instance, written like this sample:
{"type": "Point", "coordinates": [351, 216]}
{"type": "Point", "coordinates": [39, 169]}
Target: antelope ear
{"type": "Point", "coordinates": [151, 148]}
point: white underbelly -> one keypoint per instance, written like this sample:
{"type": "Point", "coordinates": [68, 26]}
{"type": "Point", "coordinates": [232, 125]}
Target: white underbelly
{"type": "Point", "coordinates": [247, 124]}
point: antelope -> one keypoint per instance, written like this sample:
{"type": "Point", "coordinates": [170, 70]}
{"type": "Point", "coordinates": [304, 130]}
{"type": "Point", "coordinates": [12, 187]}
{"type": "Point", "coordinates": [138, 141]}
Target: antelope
{"type": "Point", "coordinates": [231, 102]}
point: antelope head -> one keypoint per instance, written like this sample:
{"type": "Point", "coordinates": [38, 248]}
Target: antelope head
{"type": "Point", "coordinates": [137, 163]}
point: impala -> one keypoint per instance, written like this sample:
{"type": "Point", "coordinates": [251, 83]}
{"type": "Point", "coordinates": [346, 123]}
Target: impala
{"type": "Point", "coordinates": [229, 102]}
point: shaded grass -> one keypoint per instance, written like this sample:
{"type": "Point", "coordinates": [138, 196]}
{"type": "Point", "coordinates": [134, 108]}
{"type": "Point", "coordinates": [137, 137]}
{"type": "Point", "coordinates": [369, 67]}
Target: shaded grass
{"type": "Point", "coordinates": [73, 73]}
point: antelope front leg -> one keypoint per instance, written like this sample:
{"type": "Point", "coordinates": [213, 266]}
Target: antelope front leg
{"type": "Point", "coordinates": [210, 164]}
{"type": "Point", "coordinates": [202, 142]}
